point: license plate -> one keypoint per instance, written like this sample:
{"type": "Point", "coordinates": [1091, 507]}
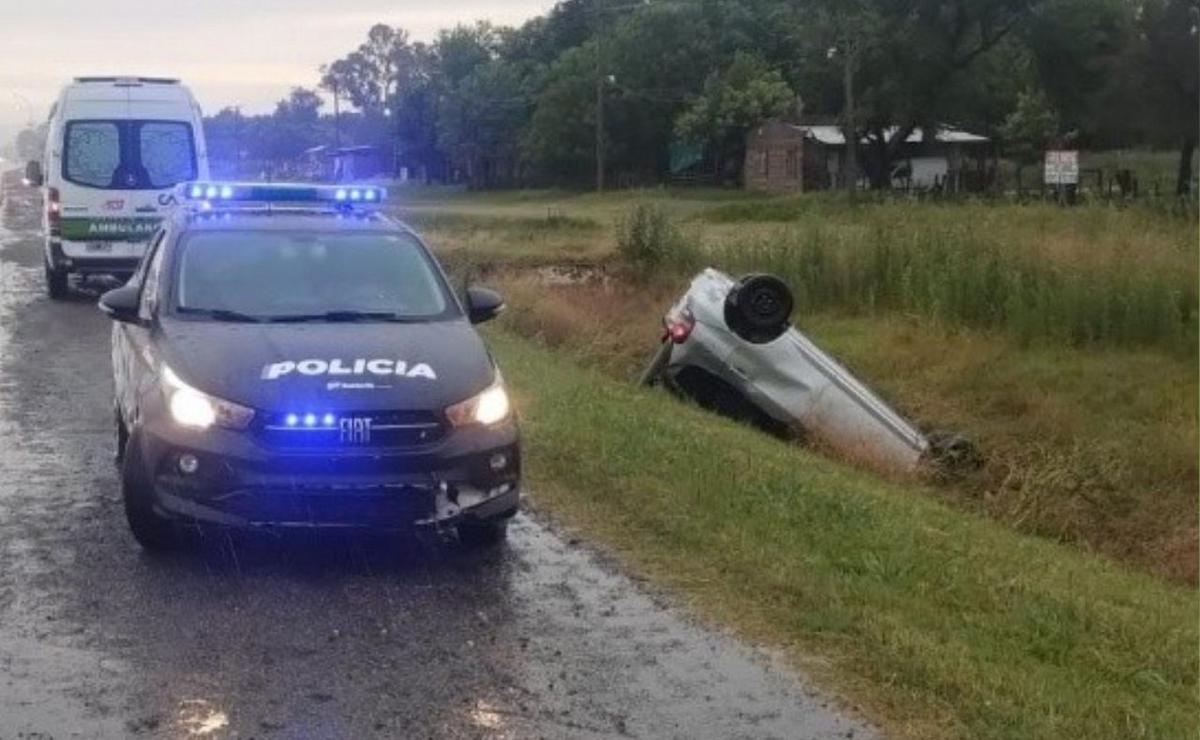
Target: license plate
{"type": "Point", "coordinates": [103, 247]}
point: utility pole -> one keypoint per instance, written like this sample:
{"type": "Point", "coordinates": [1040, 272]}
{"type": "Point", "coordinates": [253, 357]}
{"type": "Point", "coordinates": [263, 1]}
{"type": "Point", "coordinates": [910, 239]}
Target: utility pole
{"type": "Point", "coordinates": [848, 48]}
{"type": "Point", "coordinates": [599, 10]}
{"type": "Point", "coordinates": [337, 119]}
{"type": "Point", "coordinates": [851, 127]}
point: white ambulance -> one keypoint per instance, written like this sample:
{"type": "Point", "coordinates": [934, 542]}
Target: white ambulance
{"type": "Point", "coordinates": [115, 149]}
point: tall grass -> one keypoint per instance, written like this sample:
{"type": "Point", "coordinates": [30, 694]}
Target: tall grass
{"type": "Point", "coordinates": [1036, 273]}
{"type": "Point", "coordinates": [957, 276]}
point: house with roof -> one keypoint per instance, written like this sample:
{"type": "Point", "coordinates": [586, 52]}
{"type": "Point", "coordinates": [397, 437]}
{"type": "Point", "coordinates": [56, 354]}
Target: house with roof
{"type": "Point", "coordinates": [786, 157]}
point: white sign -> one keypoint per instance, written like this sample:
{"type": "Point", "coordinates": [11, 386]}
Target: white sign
{"type": "Point", "coordinates": [1062, 167]}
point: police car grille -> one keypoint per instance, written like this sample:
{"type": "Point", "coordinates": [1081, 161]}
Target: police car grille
{"type": "Point", "coordinates": [369, 429]}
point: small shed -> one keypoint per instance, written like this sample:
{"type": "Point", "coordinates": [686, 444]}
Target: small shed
{"type": "Point", "coordinates": [786, 157]}
{"type": "Point", "coordinates": [774, 152]}
{"type": "Point", "coordinates": [343, 164]}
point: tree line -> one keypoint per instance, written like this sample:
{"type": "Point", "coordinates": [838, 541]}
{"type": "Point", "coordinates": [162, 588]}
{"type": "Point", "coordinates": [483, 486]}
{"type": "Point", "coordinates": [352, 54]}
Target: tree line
{"type": "Point", "coordinates": [622, 91]}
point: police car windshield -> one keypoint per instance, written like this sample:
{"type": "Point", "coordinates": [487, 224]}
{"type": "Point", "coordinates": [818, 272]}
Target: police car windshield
{"type": "Point", "coordinates": [313, 276]}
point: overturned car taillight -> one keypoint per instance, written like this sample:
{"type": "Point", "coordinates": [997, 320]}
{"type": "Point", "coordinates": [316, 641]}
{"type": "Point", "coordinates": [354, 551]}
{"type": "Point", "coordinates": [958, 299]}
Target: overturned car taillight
{"type": "Point", "coordinates": [678, 327]}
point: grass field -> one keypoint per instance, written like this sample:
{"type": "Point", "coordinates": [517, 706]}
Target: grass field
{"type": "Point", "coordinates": [937, 623]}
{"type": "Point", "coordinates": [1051, 593]}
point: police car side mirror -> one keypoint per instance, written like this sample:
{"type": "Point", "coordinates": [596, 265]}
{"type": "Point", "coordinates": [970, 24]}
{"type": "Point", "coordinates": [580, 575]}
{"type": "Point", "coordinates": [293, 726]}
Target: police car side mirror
{"type": "Point", "coordinates": [33, 173]}
{"type": "Point", "coordinates": [121, 304]}
{"type": "Point", "coordinates": [483, 304]}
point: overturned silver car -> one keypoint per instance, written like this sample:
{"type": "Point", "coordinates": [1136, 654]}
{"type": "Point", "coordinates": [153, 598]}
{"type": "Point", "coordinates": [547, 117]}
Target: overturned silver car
{"type": "Point", "coordinates": [729, 345]}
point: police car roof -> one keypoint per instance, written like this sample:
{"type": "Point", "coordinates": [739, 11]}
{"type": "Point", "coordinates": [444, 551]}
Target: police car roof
{"type": "Point", "coordinates": [285, 219]}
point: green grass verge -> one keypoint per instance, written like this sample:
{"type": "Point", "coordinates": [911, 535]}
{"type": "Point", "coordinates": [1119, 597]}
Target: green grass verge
{"type": "Point", "coordinates": [938, 622]}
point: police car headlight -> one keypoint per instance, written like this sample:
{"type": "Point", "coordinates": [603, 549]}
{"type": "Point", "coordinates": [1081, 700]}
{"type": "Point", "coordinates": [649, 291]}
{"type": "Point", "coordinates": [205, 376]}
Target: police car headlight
{"type": "Point", "coordinates": [487, 408]}
{"type": "Point", "coordinates": [193, 408]}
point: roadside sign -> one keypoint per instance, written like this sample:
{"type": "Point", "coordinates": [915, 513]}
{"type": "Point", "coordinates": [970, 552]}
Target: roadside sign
{"type": "Point", "coordinates": [1062, 167]}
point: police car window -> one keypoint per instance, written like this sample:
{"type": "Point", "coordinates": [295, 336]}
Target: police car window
{"type": "Point", "coordinates": [165, 150]}
{"type": "Point", "coordinates": [283, 275]}
{"type": "Point", "coordinates": [93, 152]}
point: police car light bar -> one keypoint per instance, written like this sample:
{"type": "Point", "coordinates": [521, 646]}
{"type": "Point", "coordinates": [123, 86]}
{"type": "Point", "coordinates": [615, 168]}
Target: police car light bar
{"type": "Point", "coordinates": [207, 195]}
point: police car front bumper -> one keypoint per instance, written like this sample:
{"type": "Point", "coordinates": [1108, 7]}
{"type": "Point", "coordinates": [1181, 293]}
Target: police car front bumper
{"type": "Point", "coordinates": [471, 475]}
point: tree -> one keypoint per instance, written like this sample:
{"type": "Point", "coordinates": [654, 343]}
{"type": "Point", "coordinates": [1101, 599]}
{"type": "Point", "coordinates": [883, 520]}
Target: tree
{"type": "Point", "coordinates": [734, 100]}
{"type": "Point", "coordinates": [559, 141]}
{"type": "Point", "coordinates": [295, 124]}
{"type": "Point", "coordinates": [911, 64]}
{"type": "Point", "coordinates": [1167, 51]}
{"type": "Point", "coordinates": [480, 120]}
{"type": "Point", "coordinates": [31, 142]}
{"type": "Point", "coordinates": [1029, 129]}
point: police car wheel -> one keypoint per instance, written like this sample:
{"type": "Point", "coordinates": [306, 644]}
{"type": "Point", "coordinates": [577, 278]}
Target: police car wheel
{"type": "Point", "coordinates": [153, 532]}
{"type": "Point", "coordinates": [122, 439]}
{"type": "Point", "coordinates": [56, 282]}
{"type": "Point", "coordinates": [483, 534]}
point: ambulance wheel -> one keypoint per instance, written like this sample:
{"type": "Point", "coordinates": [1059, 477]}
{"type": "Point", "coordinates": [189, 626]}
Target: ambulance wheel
{"type": "Point", "coordinates": [153, 532]}
{"type": "Point", "coordinates": [56, 282]}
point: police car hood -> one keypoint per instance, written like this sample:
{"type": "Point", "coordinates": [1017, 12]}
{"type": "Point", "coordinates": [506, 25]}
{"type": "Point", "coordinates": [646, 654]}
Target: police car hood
{"type": "Point", "coordinates": [362, 366]}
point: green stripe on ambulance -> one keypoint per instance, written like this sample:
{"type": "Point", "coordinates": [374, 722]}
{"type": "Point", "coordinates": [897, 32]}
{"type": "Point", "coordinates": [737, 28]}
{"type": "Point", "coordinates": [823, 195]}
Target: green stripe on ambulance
{"type": "Point", "coordinates": [109, 229]}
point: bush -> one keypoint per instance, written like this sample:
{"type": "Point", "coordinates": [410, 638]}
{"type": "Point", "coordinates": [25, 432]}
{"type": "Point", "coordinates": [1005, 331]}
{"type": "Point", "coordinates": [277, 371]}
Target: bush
{"type": "Point", "coordinates": [647, 238]}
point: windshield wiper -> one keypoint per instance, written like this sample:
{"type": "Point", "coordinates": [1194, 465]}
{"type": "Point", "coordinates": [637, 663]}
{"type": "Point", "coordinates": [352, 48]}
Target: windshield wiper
{"type": "Point", "coordinates": [340, 316]}
{"type": "Point", "coordinates": [220, 314]}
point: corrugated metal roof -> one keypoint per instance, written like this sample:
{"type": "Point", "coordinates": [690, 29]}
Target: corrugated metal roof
{"type": "Point", "coordinates": [832, 135]}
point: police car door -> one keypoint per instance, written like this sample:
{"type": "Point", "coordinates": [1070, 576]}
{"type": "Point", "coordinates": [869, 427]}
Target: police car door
{"type": "Point", "coordinates": [133, 358]}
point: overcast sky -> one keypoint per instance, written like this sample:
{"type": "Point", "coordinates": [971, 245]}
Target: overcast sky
{"type": "Point", "coordinates": [230, 52]}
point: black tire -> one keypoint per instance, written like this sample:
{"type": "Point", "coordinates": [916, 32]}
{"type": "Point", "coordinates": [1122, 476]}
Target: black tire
{"type": "Point", "coordinates": [758, 308]}
{"type": "Point", "coordinates": [153, 532]}
{"type": "Point", "coordinates": [121, 441]}
{"type": "Point", "coordinates": [56, 282]}
{"type": "Point", "coordinates": [483, 534]}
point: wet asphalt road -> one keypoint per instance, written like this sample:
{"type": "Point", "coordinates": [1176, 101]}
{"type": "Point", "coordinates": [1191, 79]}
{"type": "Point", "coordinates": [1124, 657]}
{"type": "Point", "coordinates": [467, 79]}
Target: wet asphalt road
{"type": "Point", "coordinates": [314, 636]}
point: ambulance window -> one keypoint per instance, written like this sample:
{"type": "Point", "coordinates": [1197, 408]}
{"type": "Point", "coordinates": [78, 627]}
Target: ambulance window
{"type": "Point", "coordinates": [165, 148]}
{"type": "Point", "coordinates": [93, 152]}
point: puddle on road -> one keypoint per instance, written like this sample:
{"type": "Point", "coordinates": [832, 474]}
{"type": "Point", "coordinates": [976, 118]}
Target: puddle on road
{"type": "Point", "coordinates": [200, 718]}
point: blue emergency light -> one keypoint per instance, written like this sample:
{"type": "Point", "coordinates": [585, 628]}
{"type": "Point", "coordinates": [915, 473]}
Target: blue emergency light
{"type": "Point", "coordinates": [209, 195]}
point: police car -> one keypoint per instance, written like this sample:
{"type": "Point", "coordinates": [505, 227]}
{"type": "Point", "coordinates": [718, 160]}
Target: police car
{"type": "Point", "coordinates": [288, 356]}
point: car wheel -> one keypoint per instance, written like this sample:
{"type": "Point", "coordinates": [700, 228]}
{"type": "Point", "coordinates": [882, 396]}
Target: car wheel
{"type": "Point", "coordinates": [758, 307]}
{"type": "Point", "coordinates": [153, 532]}
{"type": "Point", "coordinates": [56, 282]}
{"type": "Point", "coordinates": [483, 534]}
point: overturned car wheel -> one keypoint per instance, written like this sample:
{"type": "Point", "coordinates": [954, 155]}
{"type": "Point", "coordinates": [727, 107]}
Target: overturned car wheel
{"type": "Point", "coordinates": [758, 308]}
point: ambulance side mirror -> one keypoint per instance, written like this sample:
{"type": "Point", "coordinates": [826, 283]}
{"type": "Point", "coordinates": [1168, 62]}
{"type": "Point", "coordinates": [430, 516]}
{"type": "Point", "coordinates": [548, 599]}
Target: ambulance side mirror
{"type": "Point", "coordinates": [121, 304]}
{"type": "Point", "coordinates": [33, 174]}
{"type": "Point", "coordinates": [483, 304]}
